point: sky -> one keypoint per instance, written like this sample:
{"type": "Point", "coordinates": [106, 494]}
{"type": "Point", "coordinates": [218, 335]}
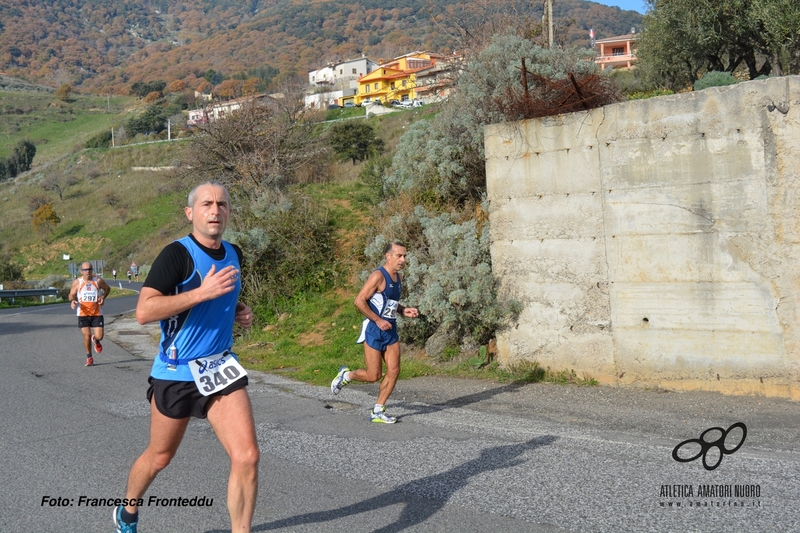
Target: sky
{"type": "Point", "coordinates": [635, 5]}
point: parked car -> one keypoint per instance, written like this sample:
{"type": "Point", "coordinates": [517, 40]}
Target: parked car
{"type": "Point", "coordinates": [408, 104]}
{"type": "Point", "coordinates": [395, 103]}
{"type": "Point", "coordinates": [334, 106]}
{"type": "Point", "coordinates": [349, 104]}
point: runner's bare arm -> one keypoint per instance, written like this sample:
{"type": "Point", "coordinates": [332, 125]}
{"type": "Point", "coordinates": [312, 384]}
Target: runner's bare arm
{"type": "Point", "coordinates": [106, 290]}
{"type": "Point", "coordinates": [73, 294]}
{"type": "Point", "coordinates": [373, 284]}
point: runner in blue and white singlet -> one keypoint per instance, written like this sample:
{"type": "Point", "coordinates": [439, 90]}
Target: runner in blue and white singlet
{"type": "Point", "coordinates": [384, 304]}
{"type": "Point", "coordinates": [378, 301]}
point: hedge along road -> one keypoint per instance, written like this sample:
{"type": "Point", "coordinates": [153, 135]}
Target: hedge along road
{"type": "Point", "coordinates": [465, 455]}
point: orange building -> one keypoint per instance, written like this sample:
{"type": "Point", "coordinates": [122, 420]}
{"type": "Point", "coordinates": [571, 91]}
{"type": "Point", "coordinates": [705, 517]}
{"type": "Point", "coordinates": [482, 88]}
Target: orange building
{"type": "Point", "coordinates": [395, 79]}
{"type": "Point", "coordinates": [617, 52]}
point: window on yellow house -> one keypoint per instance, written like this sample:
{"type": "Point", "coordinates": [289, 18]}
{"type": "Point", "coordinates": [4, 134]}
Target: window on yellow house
{"type": "Point", "coordinates": [404, 83]}
{"type": "Point", "coordinates": [376, 86]}
{"type": "Point", "coordinates": [366, 88]}
{"type": "Point", "coordinates": [392, 85]}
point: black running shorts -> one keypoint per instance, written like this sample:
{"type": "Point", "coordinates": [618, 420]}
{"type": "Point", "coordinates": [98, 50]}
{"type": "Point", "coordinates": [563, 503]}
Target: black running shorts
{"type": "Point", "coordinates": [181, 399]}
{"type": "Point", "coordinates": [90, 321]}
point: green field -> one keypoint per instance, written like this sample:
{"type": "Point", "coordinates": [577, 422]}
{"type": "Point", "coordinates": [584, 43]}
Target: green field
{"type": "Point", "coordinates": [57, 128]}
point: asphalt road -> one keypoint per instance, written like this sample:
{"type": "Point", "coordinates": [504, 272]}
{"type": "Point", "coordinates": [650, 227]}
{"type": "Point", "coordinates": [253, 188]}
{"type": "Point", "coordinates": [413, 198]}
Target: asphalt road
{"type": "Point", "coordinates": [466, 456]}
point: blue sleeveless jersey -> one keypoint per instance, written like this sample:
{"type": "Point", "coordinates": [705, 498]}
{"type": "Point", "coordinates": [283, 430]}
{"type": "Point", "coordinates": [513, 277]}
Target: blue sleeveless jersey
{"type": "Point", "coordinates": [384, 303]}
{"type": "Point", "coordinates": [204, 329]}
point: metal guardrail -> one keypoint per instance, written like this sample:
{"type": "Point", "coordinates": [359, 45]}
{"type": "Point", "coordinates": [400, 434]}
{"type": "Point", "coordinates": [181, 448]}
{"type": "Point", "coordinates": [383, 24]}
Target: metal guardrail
{"type": "Point", "coordinates": [21, 293]}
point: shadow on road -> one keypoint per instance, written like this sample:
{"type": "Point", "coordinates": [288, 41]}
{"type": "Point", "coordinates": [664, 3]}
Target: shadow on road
{"type": "Point", "coordinates": [421, 498]}
{"type": "Point", "coordinates": [461, 401]}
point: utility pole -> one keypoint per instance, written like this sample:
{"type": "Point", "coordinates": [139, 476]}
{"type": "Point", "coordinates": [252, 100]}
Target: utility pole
{"type": "Point", "coordinates": [547, 20]}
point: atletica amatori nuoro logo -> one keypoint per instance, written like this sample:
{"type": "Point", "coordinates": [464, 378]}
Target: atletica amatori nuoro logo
{"type": "Point", "coordinates": [709, 445]}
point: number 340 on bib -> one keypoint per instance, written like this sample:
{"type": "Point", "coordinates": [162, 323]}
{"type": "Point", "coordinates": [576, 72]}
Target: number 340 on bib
{"type": "Point", "coordinates": [215, 372]}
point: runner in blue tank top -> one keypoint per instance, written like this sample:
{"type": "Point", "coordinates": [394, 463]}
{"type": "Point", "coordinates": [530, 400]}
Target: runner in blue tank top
{"type": "Point", "coordinates": [193, 289]}
{"type": "Point", "coordinates": [379, 302]}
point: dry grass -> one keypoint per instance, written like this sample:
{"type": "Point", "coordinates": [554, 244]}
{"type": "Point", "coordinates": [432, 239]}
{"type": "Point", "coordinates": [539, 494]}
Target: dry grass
{"type": "Point", "coordinates": [147, 215]}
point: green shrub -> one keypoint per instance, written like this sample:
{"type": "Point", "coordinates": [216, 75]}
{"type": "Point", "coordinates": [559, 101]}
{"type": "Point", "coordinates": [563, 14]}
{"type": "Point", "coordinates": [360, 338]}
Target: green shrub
{"type": "Point", "coordinates": [649, 94]}
{"type": "Point", "coordinates": [630, 81]}
{"type": "Point", "coordinates": [10, 271]}
{"type": "Point", "coordinates": [371, 176]}
{"type": "Point", "coordinates": [100, 140]}
{"type": "Point", "coordinates": [715, 79]}
{"type": "Point", "coordinates": [152, 119]}
{"type": "Point", "coordinates": [443, 160]}
{"type": "Point", "coordinates": [448, 277]}
{"type": "Point", "coordinates": [288, 251]}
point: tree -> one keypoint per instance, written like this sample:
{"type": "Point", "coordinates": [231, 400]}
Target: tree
{"type": "Point", "coordinates": [152, 97]}
{"type": "Point", "coordinates": [9, 271]}
{"type": "Point", "coordinates": [45, 220]}
{"type": "Point", "coordinates": [252, 86]}
{"type": "Point", "coordinates": [37, 201]}
{"type": "Point", "coordinates": [21, 158]}
{"type": "Point", "coordinates": [256, 149]}
{"type": "Point", "coordinates": [684, 39]}
{"type": "Point", "coordinates": [55, 184]}
{"type": "Point", "coordinates": [142, 89]}
{"type": "Point", "coordinates": [176, 86]}
{"type": "Point", "coordinates": [213, 77]}
{"type": "Point", "coordinates": [63, 93]}
{"type": "Point", "coordinates": [111, 198]}
{"type": "Point", "coordinates": [354, 140]}
{"type": "Point", "coordinates": [152, 120]}
{"type": "Point", "coordinates": [230, 88]}
{"type": "Point", "coordinates": [204, 87]}
{"type": "Point", "coordinates": [781, 23]}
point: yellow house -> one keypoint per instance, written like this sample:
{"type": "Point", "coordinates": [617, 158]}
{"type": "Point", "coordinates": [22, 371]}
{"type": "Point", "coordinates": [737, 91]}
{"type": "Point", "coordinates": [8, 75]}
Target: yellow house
{"type": "Point", "coordinates": [395, 79]}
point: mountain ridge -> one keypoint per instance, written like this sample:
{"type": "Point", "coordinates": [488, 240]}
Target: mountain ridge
{"type": "Point", "coordinates": [98, 46]}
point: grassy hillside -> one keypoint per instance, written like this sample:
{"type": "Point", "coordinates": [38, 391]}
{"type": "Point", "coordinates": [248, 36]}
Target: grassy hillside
{"type": "Point", "coordinates": [108, 209]}
{"type": "Point", "coordinates": [55, 127]}
{"type": "Point", "coordinates": [144, 218]}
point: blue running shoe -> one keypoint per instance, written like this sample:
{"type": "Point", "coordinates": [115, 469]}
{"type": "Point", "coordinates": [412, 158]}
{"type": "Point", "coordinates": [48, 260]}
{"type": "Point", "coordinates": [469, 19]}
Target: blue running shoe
{"type": "Point", "coordinates": [122, 527]}
{"type": "Point", "coordinates": [381, 417]}
{"type": "Point", "coordinates": [339, 381]}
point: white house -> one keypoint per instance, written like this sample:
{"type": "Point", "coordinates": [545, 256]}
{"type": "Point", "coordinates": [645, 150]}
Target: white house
{"type": "Point", "coordinates": [323, 76]}
{"type": "Point", "coordinates": [342, 75]}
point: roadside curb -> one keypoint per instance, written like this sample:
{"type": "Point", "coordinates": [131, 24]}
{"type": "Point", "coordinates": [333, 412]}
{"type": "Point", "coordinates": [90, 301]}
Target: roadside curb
{"type": "Point", "coordinates": [137, 339]}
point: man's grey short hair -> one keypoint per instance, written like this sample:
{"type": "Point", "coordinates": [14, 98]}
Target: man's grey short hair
{"type": "Point", "coordinates": [193, 193]}
{"type": "Point", "coordinates": [388, 247]}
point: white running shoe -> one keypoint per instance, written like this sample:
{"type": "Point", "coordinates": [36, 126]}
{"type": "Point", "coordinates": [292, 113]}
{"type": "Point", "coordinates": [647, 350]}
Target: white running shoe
{"type": "Point", "coordinates": [339, 381]}
{"type": "Point", "coordinates": [381, 417]}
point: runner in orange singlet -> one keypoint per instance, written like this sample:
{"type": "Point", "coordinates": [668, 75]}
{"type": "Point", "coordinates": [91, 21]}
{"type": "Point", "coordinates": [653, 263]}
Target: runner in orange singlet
{"type": "Point", "coordinates": [86, 296]}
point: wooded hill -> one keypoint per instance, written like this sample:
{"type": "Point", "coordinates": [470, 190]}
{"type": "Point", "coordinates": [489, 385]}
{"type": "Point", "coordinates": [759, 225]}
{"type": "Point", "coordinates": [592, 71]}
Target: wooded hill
{"type": "Point", "coordinates": [106, 45]}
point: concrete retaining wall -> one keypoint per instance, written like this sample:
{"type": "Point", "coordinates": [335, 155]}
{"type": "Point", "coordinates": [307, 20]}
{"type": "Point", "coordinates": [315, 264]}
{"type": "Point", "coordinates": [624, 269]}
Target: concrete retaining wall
{"type": "Point", "coordinates": [655, 242]}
